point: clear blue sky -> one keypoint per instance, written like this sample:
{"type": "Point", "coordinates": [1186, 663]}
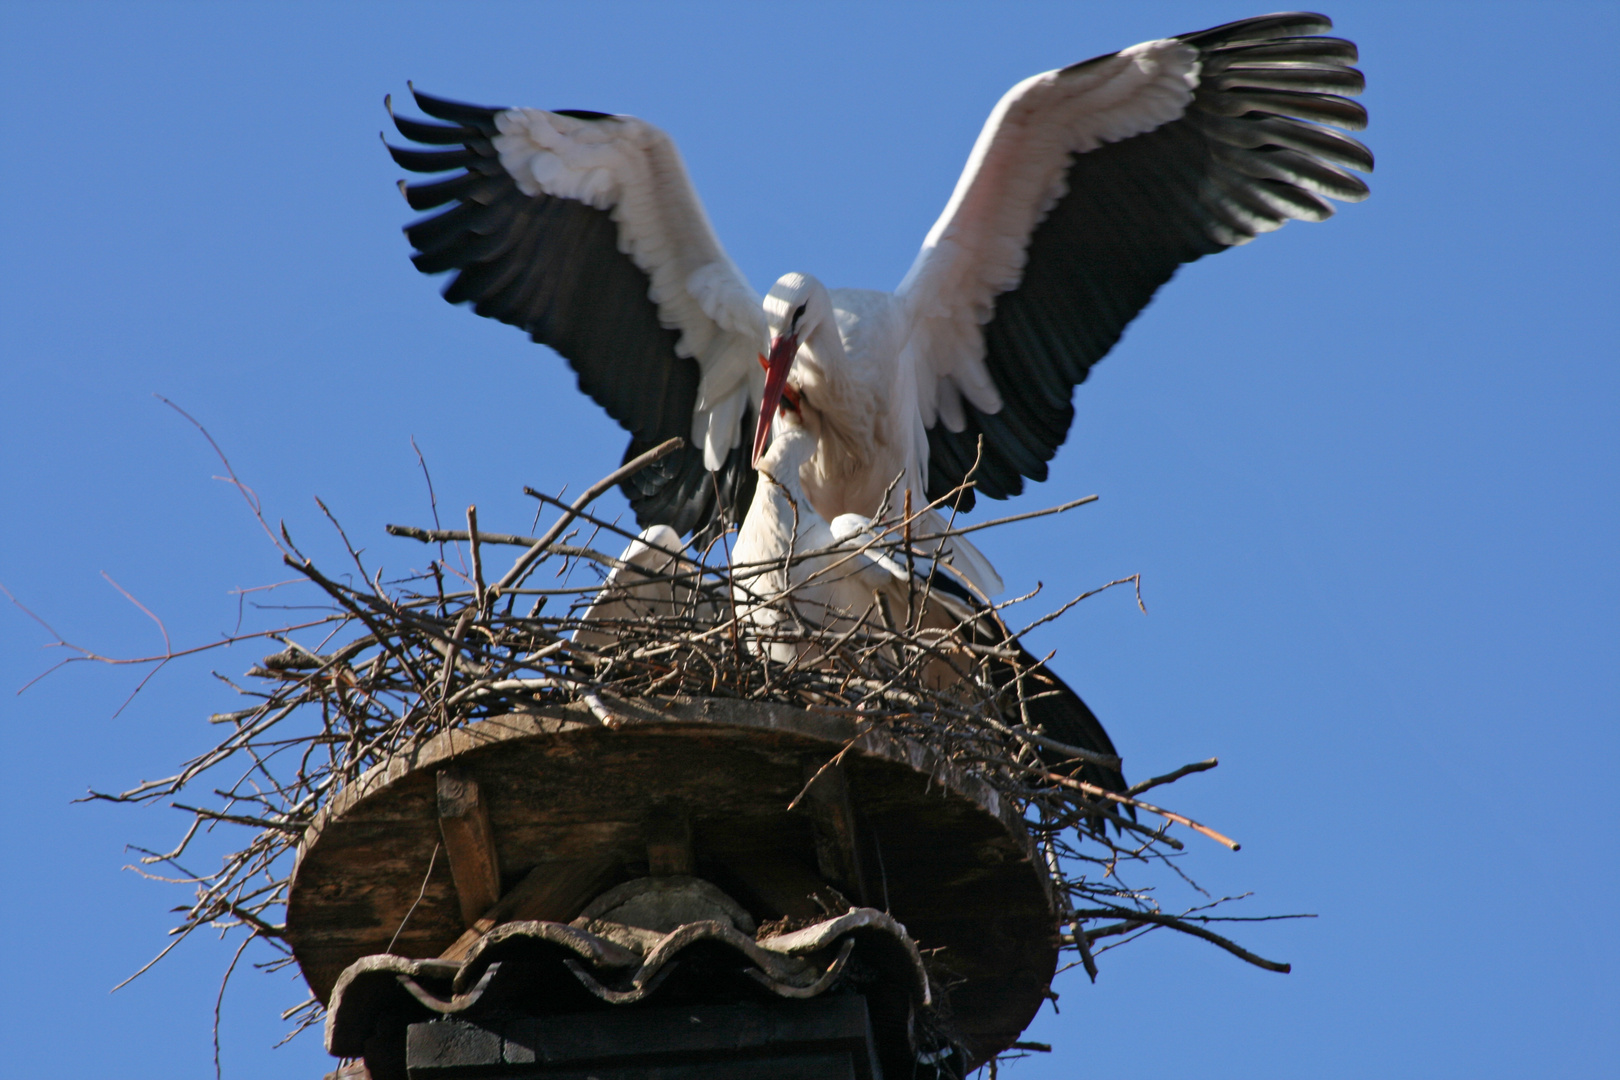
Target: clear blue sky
{"type": "Point", "coordinates": [1367, 470]}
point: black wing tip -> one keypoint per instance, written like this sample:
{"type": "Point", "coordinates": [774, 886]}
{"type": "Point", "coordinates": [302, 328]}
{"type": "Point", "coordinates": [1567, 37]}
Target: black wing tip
{"type": "Point", "coordinates": [433, 161]}
{"type": "Point", "coordinates": [1260, 28]}
{"type": "Point", "coordinates": [1242, 101]}
{"type": "Point", "coordinates": [1336, 51]}
{"type": "Point", "coordinates": [457, 112]}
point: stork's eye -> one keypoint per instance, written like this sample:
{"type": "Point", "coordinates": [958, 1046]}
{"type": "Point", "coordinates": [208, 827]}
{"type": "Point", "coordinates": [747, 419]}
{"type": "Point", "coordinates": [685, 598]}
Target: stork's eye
{"type": "Point", "coordinates": [798, 313]}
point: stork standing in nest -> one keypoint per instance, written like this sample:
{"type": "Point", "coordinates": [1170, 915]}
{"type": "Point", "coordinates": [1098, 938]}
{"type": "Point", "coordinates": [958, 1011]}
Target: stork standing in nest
{"type": "Point", "coordinates": [793, 567]}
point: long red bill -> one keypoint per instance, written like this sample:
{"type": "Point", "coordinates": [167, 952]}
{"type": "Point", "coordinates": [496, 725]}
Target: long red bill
{"type": "Point", "coordinates": [783, 350]}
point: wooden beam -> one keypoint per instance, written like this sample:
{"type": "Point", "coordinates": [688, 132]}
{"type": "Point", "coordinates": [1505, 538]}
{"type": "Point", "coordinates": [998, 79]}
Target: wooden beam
{"type": "Point", "coordinates": [669, 842]}
{"type": "Point", "coordinates": [551, 892]}
{"type": "Point", "coordinates": [832, 814]}
{"type": "Point", "coordinates": [469, 842]}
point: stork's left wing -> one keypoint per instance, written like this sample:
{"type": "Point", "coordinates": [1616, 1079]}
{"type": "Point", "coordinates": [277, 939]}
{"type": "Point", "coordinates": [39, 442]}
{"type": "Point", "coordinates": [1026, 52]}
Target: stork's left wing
{"type": "Point", "coordinates": [582, 228]}
{"type": "Point", "coordinates": [1087, 189]}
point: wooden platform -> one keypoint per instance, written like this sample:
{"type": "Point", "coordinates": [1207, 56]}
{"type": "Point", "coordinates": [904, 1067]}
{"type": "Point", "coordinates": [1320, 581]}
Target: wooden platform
{"type": "Point", "coordinates": [604, 794]}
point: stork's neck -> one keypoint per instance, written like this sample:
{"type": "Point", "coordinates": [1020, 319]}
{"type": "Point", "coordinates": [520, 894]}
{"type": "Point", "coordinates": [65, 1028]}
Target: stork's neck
{"type": "Point", "coordinates": [782, 507]}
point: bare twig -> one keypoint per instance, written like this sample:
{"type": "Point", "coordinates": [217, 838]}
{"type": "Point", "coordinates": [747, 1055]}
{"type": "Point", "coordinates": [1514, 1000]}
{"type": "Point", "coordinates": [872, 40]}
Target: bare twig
{"type": "Point", "coordinates": [1182, 925]}
{"type": "Point", "coordinates": [1171, 777]}
{"type": "Point", "coordinates": [629, 469]}
{"type": "Point", "coordinates": [479, 597]}
{"type": "Point", "coordinates": [432, 859]}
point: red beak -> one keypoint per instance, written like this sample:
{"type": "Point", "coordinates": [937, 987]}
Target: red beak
{"type": "Point", "coordinates": [783, 350]}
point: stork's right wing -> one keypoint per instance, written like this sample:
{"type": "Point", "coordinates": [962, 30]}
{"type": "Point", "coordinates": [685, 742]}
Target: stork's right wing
{"type": "Point", "coordinates": [1088, 188]}
{"type": "Point", "coordinates": [583, 229]}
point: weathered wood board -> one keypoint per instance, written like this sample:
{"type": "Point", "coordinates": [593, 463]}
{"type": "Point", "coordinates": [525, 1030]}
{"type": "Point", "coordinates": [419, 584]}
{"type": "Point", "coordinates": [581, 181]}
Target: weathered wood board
{"type": "Point", "coordinates": [563, 788]}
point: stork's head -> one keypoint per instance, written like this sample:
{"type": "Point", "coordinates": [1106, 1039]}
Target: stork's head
{"type": "Point", "coordinates": [795, 307]}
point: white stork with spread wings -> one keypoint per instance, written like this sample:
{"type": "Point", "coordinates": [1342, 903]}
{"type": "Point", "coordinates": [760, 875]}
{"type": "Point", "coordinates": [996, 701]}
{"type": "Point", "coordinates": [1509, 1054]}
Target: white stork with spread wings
{"type": "Point", "coordinates": [1088, 187]}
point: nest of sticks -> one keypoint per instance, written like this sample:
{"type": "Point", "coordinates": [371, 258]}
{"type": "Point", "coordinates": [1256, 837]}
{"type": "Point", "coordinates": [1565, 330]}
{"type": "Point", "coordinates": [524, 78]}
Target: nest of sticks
{"type": "Point", "coordinates": [378, 667]}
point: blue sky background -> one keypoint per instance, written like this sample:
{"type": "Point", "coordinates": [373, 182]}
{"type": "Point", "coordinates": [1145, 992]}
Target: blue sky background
{"type": "Point", "coordinates": [1367, 470]}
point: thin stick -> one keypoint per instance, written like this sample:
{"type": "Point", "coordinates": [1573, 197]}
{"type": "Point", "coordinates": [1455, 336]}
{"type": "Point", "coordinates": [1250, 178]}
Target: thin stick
{"type": "Point", "coordinates": [629, 469]}
{"type": "Point", "coordinates": [479, 598]}
{"type": "Point", "coordinates": [168, 648]}
{"type": "Point", "coordinates": [423, 892]}
{"type": "Point", "coordinates": [428, 536]}
{"type": "Point", "coordinates": [1125, 800]}
{"type": "Point", "coordinates": [1175, 923]}
{"type": "Point", "coordinates": [250, 496]}
{"type": "Point", "coordinates": [1048, 512]}
{"type": "Point", "coordinates": [1172, 777]}
{"type": "Point", "coordinates": [913, 613]}
{"type": "Point", "coordinates": [433, 498]}
{"type": "Point", "coordinates": [1060, 612]}
{"type": "Point", "coordinates": [219, 999]}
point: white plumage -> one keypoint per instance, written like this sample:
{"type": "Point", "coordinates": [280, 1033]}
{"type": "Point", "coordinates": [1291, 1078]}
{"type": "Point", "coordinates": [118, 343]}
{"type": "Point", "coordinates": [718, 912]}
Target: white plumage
{"type": "Point", "coordinates": [1086, 189]}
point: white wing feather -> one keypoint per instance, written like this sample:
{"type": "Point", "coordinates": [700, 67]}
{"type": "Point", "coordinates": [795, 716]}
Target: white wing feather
{"type": "Point", "coordinates": [631, 169]}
